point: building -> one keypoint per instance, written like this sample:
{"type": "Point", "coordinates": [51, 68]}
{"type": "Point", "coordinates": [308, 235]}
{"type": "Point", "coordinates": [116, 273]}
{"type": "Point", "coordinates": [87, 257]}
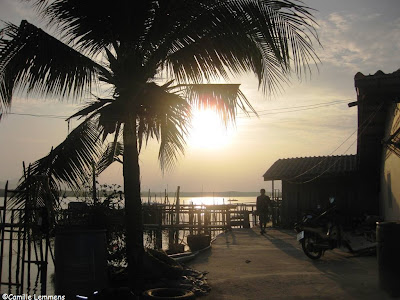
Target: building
{"type": "Point", "coordinates": [310, 181]}
{"type": "Point", "coordinates": [378, 146]}
{"type": "Point", "coordinates": [364, 183]}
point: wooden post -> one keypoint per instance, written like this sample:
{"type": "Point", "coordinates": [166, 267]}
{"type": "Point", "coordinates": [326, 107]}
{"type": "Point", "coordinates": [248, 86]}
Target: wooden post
{"type": "Point", "coordinates": [28, 212]}
{"type": "Point", "coordinates": [3, 229]}
{"type": "Point", "coordinates": [191, 217]}
{"type": "Point", "coordinates": [19, 258]}
{"type": "Point", "coordinates": [223, 217]}
{"type": "Point", "coordinates": [273, 204]}
{"type": "Point", "coordinates": [43, 265]}
{"type": "Point", "coordinates": [10, 253]}
{"type": "Point", "coordinates": [94, 195]}
{"type": "Point", "coordinates": [273, 192]}
{"type": "Point", "coordinates": [178, 207]}
{"type": "Point", "coordinates": [199, 221]}
{"type": "Point", "coordinates": [228, 218]}
{"type": "Point", "coordinates": [24, 234]}
{"type": "Point", "coordinates": [171, 222]}
{"type": "Point", "coordinates": [207, 220]}
{"type": "Point", "coordinates": [246, 219]}
{"type": "Point", "coordinates": [158, 231]}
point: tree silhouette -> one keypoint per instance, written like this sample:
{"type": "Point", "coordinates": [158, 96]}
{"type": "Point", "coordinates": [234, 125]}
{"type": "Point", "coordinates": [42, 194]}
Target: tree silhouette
{"type": "Point", "coordinates": [148, 63]}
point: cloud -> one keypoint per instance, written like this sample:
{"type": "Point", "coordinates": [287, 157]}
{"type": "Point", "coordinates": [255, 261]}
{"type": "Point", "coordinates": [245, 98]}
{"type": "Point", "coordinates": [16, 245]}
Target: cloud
{"type": "Point", "coordinates": [339, 22]}
{"type": "Point", "coordinates": [360, 42]}
{"type": "Point", "coordinates": [14, 11]}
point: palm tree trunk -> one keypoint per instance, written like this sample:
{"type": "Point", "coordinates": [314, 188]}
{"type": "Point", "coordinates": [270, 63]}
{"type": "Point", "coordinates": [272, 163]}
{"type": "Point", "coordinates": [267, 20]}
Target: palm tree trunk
{"type": "Point", "coordinates": [133, 203]}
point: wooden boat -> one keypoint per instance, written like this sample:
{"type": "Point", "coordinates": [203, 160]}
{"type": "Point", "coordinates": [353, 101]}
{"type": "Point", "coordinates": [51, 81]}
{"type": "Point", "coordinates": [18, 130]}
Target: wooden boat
{"type": "Point", "coordinates": [197, 242]}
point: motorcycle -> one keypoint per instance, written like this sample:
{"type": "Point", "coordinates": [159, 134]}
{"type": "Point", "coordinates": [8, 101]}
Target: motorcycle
{"type": "Point", "coordinates": [321, 230]}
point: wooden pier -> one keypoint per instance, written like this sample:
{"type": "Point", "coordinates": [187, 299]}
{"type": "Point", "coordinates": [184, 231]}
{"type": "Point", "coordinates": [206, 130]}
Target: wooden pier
{"type": "Point", "coordinates": [184, 220]}
{"type": "Point", "coordinates": [199, 218]}
{"type": "Point", "coordinates": [26, 239]}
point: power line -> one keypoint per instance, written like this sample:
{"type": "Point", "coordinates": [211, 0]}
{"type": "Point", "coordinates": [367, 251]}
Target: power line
{"type": "Point", "coordinates": [368, 120]}
{"type": "Point", "coordinates": [308, 105]}
{"type": "Point", "coordinates": [278, 110]}
{"type": "Point", "coordinates": [292, 109]}
{"type": "Point", "coordinates": [39, 115]}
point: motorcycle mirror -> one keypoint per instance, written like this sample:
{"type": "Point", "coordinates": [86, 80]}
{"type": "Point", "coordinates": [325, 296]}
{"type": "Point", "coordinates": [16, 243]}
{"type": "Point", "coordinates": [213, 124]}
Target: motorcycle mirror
{"type": "Point", "coordinates": [331, 199]}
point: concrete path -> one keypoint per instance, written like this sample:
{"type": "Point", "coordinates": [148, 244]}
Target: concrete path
{"type": "Point", "coordinates": [243, 264]}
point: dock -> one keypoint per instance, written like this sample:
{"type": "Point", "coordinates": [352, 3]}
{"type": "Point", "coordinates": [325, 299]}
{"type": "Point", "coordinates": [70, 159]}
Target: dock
{"type": "Point", "coordinates": [243, 264]}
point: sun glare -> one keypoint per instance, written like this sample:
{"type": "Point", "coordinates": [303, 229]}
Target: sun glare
{"type": "Point", "coordinates": [208, 130]}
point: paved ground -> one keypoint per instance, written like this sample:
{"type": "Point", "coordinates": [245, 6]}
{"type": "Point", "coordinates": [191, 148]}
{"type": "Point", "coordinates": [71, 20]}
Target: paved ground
{"type": "Point", "coordinates": [242, 264]}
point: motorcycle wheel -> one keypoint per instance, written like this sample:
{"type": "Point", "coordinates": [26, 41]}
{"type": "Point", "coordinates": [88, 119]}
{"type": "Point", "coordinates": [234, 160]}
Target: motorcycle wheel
{"type": "Point", "coordinates": [307, 243]}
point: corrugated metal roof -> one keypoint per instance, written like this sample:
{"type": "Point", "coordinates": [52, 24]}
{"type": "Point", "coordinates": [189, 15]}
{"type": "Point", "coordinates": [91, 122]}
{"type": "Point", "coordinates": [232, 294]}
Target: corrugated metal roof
{"type": "Point", "coordinates": [303, 168]}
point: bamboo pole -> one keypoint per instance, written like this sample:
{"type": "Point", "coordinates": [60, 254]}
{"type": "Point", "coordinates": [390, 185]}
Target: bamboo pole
{"type": "Point", "coordinates": [199, 222]}
{"type": "Point", "coordinates": [19, 258]}
{"type": "Point", "coordinates": [43, 271]}
{"type": "Point", "coordinates": [24, 235]}
{"type": "Point", "coordinates": [207, 221]}
{"type": "Point", "coordinates": [158, 231]}
{"type": "Point", "coordinates": [2, 230]}
{"type": "Point", "coordinates": [28, 216]}
{"type": "Point", "coordinates": [177, 214]}
{"type": "Point", "coordinates": [191, 217]}
{"type": "Point", "coordinates": [10, 252]}
{"type": "Point", "coordinates": [94, 195]}
{"type": "Point", "coordinates": [171, 223]}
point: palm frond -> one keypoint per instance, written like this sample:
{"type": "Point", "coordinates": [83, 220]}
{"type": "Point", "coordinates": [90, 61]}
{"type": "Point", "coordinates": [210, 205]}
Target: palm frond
{"type": "Point", "coordinates": [172, 138]}
{"type": "Point", "coordinates": [109, 156]}
{"type": "Point", "coordinates": [91, 108]}
{"type": "Point", "coordinates": [225, 99]}
{"type": "Point", "coordinates": [34, 62]}
{"type": "Point", "coordinates": [93, 25]}
{"type": "Point", "coordinates": [111, 116]}
{"type": "Point", "coordinates": [36, 192]}
{"type": "Point", "coordinates": [70, 163]}
{"type": "Point", "coordinates": [207, 41]}
{"type": "Point", "coordinates": [164, 116]}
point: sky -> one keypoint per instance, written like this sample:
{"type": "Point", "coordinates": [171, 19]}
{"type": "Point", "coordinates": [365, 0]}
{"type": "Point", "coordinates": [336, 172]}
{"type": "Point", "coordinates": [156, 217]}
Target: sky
{"type": "Point", "coordinates": [309, 117]}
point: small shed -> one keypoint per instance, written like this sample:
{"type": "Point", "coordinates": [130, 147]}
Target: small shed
{"type": "Point", "coordinates": [310, 181]}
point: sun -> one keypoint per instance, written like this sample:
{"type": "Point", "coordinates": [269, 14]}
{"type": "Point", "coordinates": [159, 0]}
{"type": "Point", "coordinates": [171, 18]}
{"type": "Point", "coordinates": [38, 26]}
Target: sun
{"type": "Point", "coordinates": [208, 130]}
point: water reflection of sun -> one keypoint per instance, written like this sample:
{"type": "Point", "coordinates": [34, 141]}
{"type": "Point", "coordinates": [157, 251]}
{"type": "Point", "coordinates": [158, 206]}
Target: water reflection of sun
{"type": "Point", "coordinates": [206, 200]}
{"type": "Point", "coordinates": [208, 131]}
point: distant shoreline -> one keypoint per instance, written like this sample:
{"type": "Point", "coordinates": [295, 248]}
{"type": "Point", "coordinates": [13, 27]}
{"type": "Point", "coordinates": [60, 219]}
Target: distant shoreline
{"type": "Point", "coordinates": [228, 194]}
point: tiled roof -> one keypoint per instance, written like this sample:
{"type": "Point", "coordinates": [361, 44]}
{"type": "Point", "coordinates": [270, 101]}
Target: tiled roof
{"type": "Point", "coordinates": [304, 168]}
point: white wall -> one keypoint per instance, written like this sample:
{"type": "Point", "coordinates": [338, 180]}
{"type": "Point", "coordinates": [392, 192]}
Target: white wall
{"type": "Point", "coordinates": [390, 176]}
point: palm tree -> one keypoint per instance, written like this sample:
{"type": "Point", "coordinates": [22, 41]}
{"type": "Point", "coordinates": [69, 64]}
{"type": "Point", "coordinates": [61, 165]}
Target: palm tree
{"type": "Point", "coordinates": [148, 63]}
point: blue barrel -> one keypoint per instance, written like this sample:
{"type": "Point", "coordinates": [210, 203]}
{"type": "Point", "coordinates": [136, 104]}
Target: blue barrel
{"type": "Point", "coordinates": [80, 262]}
{"type": "Point", "coordinates": [388, 252]}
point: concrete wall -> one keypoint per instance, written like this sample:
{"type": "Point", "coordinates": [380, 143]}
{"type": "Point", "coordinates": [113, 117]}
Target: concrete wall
{"type": "Point", "coordinates": [390, 175]}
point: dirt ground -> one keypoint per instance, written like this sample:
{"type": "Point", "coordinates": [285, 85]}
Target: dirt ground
{"type": "Point", "coordinates": [243, 264]}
